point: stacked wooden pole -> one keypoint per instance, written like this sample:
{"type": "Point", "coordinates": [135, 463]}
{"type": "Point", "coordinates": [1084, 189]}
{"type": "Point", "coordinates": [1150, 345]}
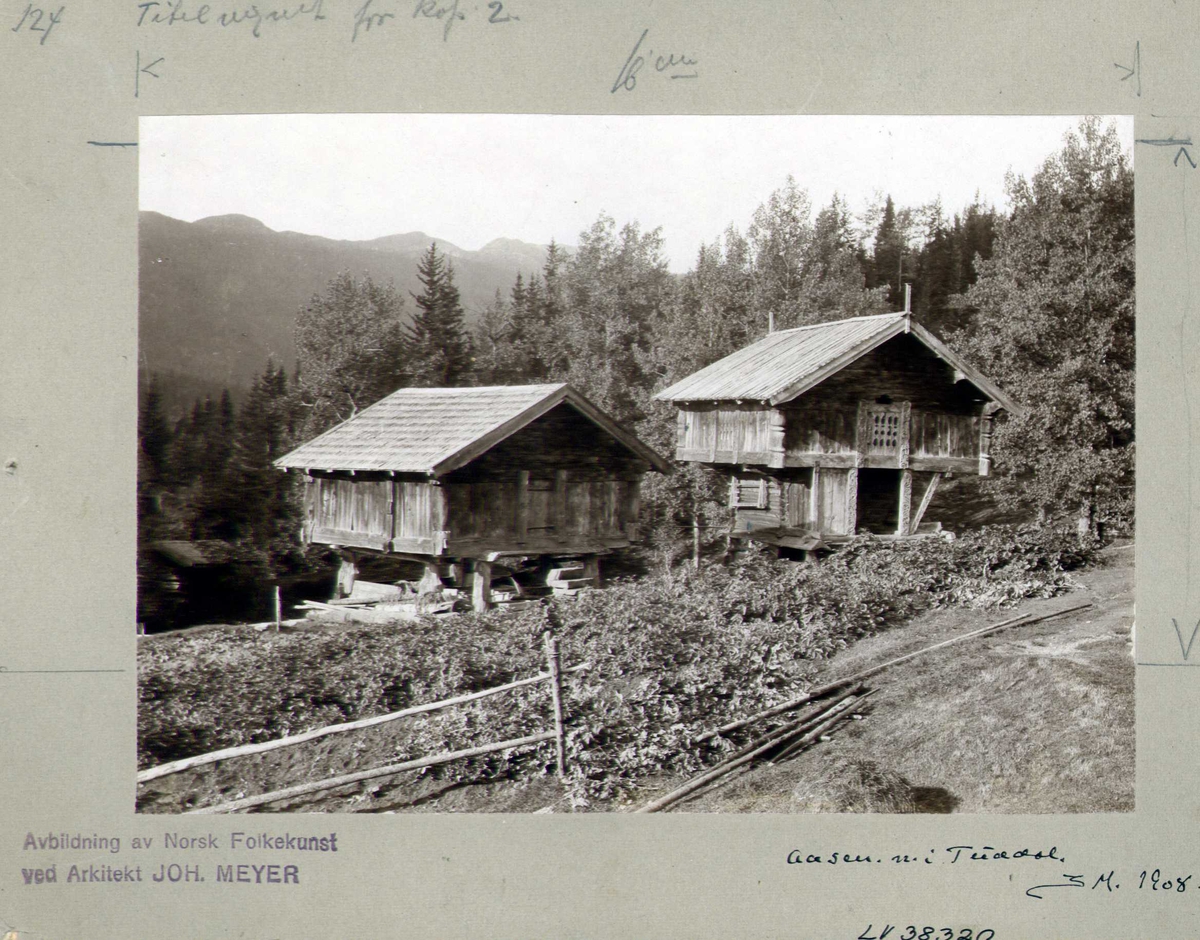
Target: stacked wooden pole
{"type": "Point", "coordinates": [786, 740]}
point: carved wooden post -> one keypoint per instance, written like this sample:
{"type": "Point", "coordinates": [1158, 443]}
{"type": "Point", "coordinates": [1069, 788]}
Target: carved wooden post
{"type": "Point", "coordinates": [851, 500]}
{"type": "Point", "coordinates": [591, 569]}
{"type": "Point", "coordinates": [903, 434]}
{"type": "Point", "coordinates": [902, 525]}
{"type": "Point", "coordinates": [481, 586]}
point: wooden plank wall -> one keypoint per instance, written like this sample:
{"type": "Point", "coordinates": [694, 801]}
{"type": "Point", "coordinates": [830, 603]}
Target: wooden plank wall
{"type": "Point", "coordinates": [815, 428]}
{"type": "Point", "coordinates": [833, 517]}
{"type": "Point", "coordinates": [362, 506]}
{"type": "Point", "coordinates": [944, 435]}
{"type": "Point", "coordinates": [725, 432]}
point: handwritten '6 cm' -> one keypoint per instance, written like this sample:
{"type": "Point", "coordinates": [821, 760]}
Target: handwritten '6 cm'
{"type": "Point", "coordinates": [627, 78]}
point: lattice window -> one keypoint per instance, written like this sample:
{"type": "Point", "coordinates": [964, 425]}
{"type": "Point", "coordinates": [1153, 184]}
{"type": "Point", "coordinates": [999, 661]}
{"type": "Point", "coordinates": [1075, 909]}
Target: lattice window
{"type": "Point", "coordinates": [885, 430]}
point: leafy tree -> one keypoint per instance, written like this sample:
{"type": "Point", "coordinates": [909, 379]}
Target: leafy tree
{"type": "Point", "coordinates": [713, 313]}
{"type": "Point", "coordinates": [441, 347]}
{"type": "Point", "coordinates": [614, 289]}
{"type": "Point", "coordinates": [351, 349]}
{"type": "Point", "coordinates": [1053, 322]}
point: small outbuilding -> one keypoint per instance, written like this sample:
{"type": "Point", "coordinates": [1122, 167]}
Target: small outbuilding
{"type": "Point", "coordinates": [459, 478]}
{"type": "Point", "coordinates": [836, 428]}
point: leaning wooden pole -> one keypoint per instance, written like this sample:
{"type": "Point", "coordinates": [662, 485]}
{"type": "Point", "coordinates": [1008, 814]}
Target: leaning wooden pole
{"type": "Point", "coordinates": [334, 782]}
{"type": "Point", "coordinates": [560, 741]}
{"type": "Point", "coordinates": [186, 763]}
{"type": "Point", "coordinates": [1023, 620]}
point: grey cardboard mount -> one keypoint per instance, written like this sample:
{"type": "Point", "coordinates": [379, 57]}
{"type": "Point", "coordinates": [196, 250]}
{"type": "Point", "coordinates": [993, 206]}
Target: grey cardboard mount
{"type": "Point", "coordinates": [77, 76]}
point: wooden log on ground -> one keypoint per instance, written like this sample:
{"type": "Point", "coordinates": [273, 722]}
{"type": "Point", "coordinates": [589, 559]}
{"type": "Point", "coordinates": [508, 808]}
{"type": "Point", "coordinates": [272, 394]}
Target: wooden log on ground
{"type": "Point", "coordinates": [333, 783]}
{"type": "Point", "coordinates": [722, 769]}
{"type": "Point", "coordinates": [1023, 620]}
{"type": "Point", "coordinates": [822, 728]}
{"type": "Point", "coordinates": [186, 763]}
{"type": "Point", "coordinates": [797, 726]}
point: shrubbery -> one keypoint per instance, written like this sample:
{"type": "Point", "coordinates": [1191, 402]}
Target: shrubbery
{"type": "Point", "coordinates": [669, 658]}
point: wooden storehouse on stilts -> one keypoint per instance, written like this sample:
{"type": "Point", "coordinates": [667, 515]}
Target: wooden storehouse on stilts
{"type": "Point", "coordinates": [837, 428]}
{"type": "Point", "coordinates": [458, 479]}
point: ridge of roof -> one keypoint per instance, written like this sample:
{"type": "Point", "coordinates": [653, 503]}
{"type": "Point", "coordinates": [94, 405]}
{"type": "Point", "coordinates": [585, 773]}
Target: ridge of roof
{"type": "Point", "coordinates": [785, 363]}
{"type": "Point", "coordinates": [897, 314]}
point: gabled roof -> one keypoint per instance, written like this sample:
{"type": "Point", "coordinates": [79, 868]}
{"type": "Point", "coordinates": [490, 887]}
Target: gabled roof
{"type": "Point", "coordinates": [788, 363]}
{"type": "Point", "coordinates": [436, 430]}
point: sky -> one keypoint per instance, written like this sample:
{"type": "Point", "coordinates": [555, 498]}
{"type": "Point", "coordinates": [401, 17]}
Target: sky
{"type": "Point", "coordinates": [468, 179]}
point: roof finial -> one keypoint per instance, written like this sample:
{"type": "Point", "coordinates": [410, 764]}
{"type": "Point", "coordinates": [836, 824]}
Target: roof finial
{"type": "Point", "coordinates": [770, 321]}
{"type": "Point", "coordinates": [908, 300]}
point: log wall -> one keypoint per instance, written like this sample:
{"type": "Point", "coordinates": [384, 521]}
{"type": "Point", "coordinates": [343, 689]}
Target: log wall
{"type": "Point", "coordinates": [557, 485]}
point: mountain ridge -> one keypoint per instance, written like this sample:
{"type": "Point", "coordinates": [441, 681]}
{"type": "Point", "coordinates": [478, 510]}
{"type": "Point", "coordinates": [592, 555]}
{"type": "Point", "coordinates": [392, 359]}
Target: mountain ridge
{"type": "Point", "coordinates": [218, 297]}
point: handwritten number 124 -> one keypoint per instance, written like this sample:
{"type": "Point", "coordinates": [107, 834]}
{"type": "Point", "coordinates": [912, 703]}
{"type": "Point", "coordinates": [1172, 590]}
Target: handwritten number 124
{"type": "Point", "coordinates": [32, 18]}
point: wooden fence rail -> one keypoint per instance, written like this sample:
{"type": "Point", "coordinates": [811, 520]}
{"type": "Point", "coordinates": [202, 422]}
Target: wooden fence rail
{"type": "Point", "coordinates": [186, 763]}
{"type": "Point", "coordinates": [334, 782]}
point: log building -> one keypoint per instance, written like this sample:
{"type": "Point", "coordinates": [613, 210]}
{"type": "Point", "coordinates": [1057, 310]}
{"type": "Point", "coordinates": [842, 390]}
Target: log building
{"type": "Point", "coordinates": [458, 478]}
{"type": "Point", "coordinates": [837, 428]}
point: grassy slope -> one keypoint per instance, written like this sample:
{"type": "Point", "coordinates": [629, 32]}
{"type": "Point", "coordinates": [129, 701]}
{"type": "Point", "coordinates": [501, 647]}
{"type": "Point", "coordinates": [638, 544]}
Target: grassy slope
{"type": "Point", "coordinates": [1032, 720]}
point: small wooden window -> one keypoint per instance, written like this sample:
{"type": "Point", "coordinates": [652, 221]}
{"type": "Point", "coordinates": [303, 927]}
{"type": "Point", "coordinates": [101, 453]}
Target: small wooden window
{"type": "Point", "coordinates": [885, 430]}
{"type": "Point", "coordinates": [750, 493]}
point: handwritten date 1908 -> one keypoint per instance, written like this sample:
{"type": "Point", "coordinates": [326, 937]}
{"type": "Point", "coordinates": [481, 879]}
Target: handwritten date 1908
{"type": "Point", "coordinates": [911, 932]}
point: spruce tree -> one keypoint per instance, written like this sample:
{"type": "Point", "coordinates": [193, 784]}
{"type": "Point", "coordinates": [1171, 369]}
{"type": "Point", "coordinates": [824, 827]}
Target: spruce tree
{"type": "Point", "coordinates": [441, 347]}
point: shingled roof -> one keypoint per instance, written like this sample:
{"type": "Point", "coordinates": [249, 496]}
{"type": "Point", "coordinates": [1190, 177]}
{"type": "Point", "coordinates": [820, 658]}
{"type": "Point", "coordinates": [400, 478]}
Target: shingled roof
{"type": "Point", "coordinates": [787, 363]}
{"type": "Point", "coordinates": [435, 430]}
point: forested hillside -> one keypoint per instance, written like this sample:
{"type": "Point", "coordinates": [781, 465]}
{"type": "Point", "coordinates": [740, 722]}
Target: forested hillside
{"type": "Point", "coordinates": [1039, 297]}
{"type": "Point", "coordinates": [217, 297]}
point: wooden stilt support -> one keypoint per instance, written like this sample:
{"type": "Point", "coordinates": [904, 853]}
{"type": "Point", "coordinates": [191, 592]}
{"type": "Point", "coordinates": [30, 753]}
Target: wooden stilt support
{"type": "Point", "coordinates": [591, 569]}
{"type": "Point", "coordinates": [481, 586]}
{"type": "Point", "coordinates": [346, 574]}
{"type": "Point", "coordinates": [556, 693]}
{"type": "Point", "coordinates": [431, 581]}
{"type": "Point", "coordinates": [278, 608]}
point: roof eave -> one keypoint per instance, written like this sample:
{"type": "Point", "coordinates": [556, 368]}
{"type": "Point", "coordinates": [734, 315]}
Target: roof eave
{"type": "Point", "coordinates": [976, 378]}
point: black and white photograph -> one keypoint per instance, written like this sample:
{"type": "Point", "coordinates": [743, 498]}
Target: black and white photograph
{"type": "Point", "coordinates": [545, 464]}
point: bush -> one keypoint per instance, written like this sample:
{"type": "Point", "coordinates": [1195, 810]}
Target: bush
{"type": "Point", "coordinates": [670, 657]}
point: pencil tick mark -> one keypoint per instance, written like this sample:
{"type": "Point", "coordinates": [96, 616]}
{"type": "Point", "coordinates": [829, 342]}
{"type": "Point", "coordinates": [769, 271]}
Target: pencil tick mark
{"type": "Point", "coordinates": [1186, 650]}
